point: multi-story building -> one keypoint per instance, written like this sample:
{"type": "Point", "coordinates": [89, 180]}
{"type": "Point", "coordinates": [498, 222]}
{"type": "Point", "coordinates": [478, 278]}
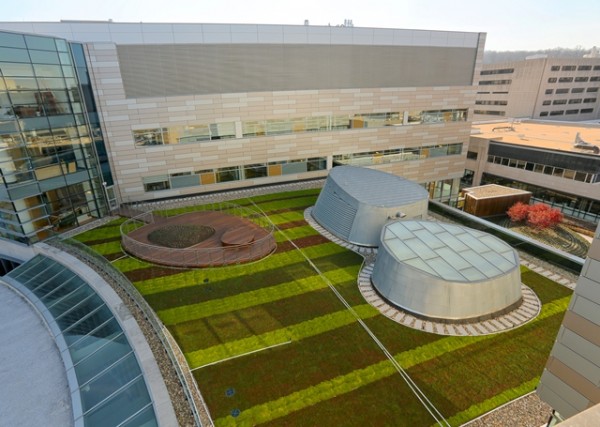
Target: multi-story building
{"type": "Point", "coordinates": [570, 382]}
{"type": "Point", "coordinates": [558, 162]}
{"type": "Point", "coordinates": [539, 88]}
{"type": "Point", "coordinates": [192, 108]}
{"type": "Point", "coordinates": [53, 166]}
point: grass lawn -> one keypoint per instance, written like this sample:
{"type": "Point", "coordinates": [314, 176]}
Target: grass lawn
{"type": "Point", "coordinates": [271, 344]}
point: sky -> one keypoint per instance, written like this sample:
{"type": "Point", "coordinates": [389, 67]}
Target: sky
{"type": "Point", "coordinates": [509, 24]}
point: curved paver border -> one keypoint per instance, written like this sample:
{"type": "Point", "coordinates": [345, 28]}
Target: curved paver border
{"type": "Point", "coordinates": [527, 310]}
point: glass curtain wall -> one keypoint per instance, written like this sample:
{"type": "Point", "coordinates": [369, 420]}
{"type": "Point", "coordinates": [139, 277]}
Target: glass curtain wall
{"type": "Point", "coordinates": [49, 172]}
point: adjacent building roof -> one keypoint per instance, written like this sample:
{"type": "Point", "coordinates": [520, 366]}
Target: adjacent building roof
{"type": "Point", "coordinates": [546, 135]}
{"type": "Point", "coordinates": [493, 190]}
{"type": "Point", "coordinates": [451, 252]}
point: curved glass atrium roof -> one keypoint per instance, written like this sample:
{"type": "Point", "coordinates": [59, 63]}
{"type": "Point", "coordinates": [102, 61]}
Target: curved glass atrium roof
{"type": "Point", "coordinates": [110, 382]}
{"type": "Point", "coordinates": [452, 252]}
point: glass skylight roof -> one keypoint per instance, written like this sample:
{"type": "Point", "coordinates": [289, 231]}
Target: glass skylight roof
{"type": "Point", "coordinates": [451, 252]}
{"type": "Point", "coordinates": [111, 385]}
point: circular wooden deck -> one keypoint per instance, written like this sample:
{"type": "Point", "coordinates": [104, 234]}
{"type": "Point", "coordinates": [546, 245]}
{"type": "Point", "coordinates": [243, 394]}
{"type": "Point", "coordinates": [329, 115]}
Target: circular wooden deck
{"type": "Point", "coordinates": [235, 240]}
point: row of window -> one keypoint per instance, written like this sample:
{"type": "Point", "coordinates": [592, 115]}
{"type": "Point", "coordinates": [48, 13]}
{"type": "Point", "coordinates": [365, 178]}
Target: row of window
{"type": "Point", "coordinates": [498, 71]}
{"type": "Point", "coordinates": [253, 128]}
{"type": "Point", "coordinates": [574, 67]}
{"type": "Point", "coordinates": [495, 82]}
{"type": "Point", "coordinates": [490, 112]}
{"type": "Point", "coordinates": [394, 155]}
{"type": "Point", "coordinates": [545, 169]}
{"type": "Point", "coordinates": [278, 168]}
{"type": "Point", "coordinates": [491, 102]}
{"type": "Point", "coordinates": [233, 173]}
{"type": "Point", "coordinates": [573, 90]}
{"type": "Point", "coordinates": [573, 79]}
{"type": "Point", "coordinates": [563, 112]}
{"type": "Point", "coordinates": [570, 101]}
{"type": "Point", "coordinates": [32, 42]}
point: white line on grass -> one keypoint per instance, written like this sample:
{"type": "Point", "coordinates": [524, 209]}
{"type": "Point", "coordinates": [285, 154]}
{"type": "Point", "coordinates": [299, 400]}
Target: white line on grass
{"type": "Point", "coordinates": [429, 406]}
{"type": "Point", "coordinates": [241, 355]}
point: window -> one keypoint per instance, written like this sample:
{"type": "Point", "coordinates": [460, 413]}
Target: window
{"type": "Point", "coordinates": [552, 80]}
{"type": "Point", "coordinates": [559, 102]}
{"type": "Point", "coordinates": [230, 173]}
{"type": "Point", "coordinates": [581, 79]}
{"type": "Point", "coordinates": [565, 79]}
{"type": "Point", "coordinates": [255, 171]}
{"type": "Point", "coordinates": [144, 137]}
{"type": "Point", "coordinates": [549, 91]}
{"type": "Point", "coordinates": [595, 79]}
{"type": "Point", "coordinates": [491, 102]}
{"type": "Point", "coordinates": [562, 91]}
{"type": "Point", "coordinates": [499, 71]}
{"type": "Point", "coordinates": [596, 67]}
{"type": "Point", "coordinates": [592, 89]}
{"type": "Point", "coordinates": [156, 186]}
{"type": "Point", "coordinates": [575, 101]}
{"type": "Point", "coordinates": [557, 112]}
{"type": "Point", "coordinates": [572, 112]}
{"type": "Point", "coordinates": [555, 68]}
{"type": "Point", "coordinates": [584, 68]}
{"type": "Point", "coordinates": [194, 134]}
{"type": "Point", "coordinates": [467, 179]}
{"type": "Point", "coordinates": [569, 67]}
{"type": "Point", "coordinates": [471, 155]}
{"type": "Point", "coordinates": [490, 113]}
{"type": "Point", "coordinates": [577, 90]}
{"type": "Point", "coordinates": [548, 102]}
{"type": "Point", "coordinates": [589, 100]}
{"type": "Point", "coordinates": [587, 110]}
{"type": "Point", "coordinates": [495, 82]}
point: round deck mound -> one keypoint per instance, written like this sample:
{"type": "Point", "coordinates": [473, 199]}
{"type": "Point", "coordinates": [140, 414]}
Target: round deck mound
{"type": "Point", "coordinates": [234, 240]}
{"type": "Point", "coordinates": [180, 235]}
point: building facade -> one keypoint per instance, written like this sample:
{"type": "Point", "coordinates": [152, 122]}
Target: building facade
{"type": "Point", "coordinates": [192, 108]}
{"type": "Point", "coordinates": [51, 150]}
{"type": "Point", "coordinates": [559, 163]}
{"type": "Point", "coordinates": [570, 382]}
{"type": "Point", "coordinates": [539, 88]}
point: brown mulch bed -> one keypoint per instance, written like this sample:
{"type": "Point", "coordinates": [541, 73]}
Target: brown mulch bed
{"type": "Point", "coordinates": [152, 272]}
{"type": "Point", "coordinates": [284, 210]}
{"type": "Point", "coordinates": [292, 224]}
{"type": "Point", "coordinates": [302, 242]}
{"type": "Point", "coordinates": [114, 256]}
{"type": "Point", "coordinates": [100, 241]}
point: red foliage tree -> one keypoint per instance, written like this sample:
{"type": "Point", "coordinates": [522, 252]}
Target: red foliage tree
{"type": "Point", "coordinates": [518, 212]}
{"type": "Point", "coordinates": [543, 216]}
{"type": "Point", "coordinates": [539, 216]}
